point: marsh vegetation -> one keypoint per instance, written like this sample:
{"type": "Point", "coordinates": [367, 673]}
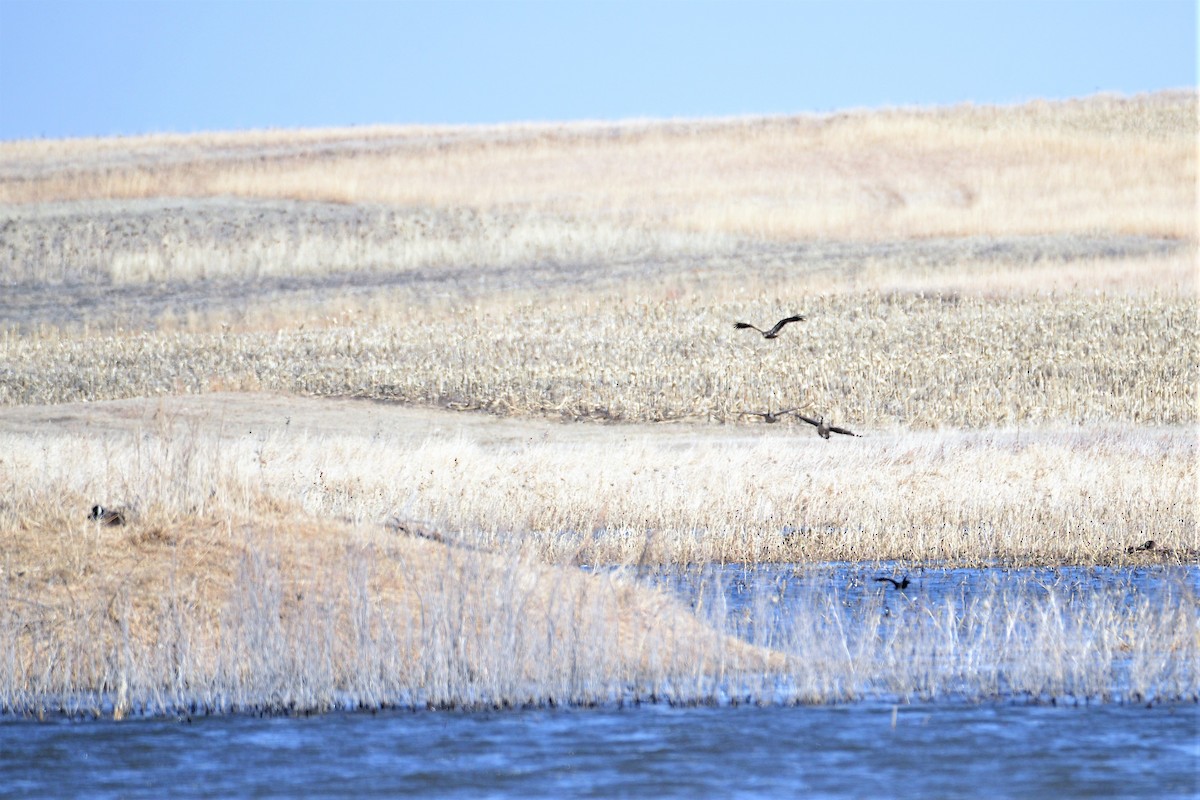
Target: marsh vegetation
{"type": "Point", "coordinates": [371, 397]}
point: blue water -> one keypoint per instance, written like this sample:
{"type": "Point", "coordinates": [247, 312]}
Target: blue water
{"type": "Point", "coordinates": [738, 586]}
{"type": "Point", "coordinates": [1001, 750]}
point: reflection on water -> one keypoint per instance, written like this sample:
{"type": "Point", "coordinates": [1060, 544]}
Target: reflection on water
{"type": "Point", "coordinates": [940, 750]}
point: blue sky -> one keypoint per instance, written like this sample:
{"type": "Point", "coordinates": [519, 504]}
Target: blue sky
{"type": "Point", "coordinates": [105, 67]}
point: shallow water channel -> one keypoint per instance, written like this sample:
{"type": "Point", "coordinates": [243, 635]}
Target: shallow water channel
{"type": "Point", "coordinates": [1007, 746]}
{"type": "Point", "coordinates": [765, 596]}
{"type": "Point", "coordinates": [860, 750]}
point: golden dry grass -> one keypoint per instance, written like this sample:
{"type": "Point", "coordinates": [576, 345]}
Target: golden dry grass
{"type": "Point", "coordinates": [1125, 165]}
{"type": "Point", "coordinates": [876, 361]}
{"type": "Point", "coordinates": [628, 494]}
{"type": "Point", "coordinates": [254, 572]}
{"type": "Point", "coordinates": [278, 613]}
{"type": "Point", "coordinates": [1002, 300]}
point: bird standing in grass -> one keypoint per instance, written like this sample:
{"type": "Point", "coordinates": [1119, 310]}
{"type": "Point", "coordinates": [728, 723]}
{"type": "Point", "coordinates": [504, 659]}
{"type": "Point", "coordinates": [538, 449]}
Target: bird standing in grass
{"type": "Point", "coordinates": [1144, 547]}
{"type": "Point", "coordinates": [824, 428]}
{"type": "Point", "coordinates": [107, 516]}
{"type": "Point", "coordinates": [773, 332]}
{"type": "Point", "coordinates": [901, 584]}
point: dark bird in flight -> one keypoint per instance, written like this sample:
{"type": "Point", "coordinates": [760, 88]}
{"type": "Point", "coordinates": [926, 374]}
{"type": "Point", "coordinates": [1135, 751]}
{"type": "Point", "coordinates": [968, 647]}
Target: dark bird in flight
{"type": "Point", "coordinates": [901, 584]}
{"type": "Point", "coordinates": [771, 334]}
{"type": "Point", "coordinates": [107, 516]}
{"type": "Point", "coordinates": [769, 416]}
{"type": "Point", "coordinates": [824, 428]}
{"type": "Point", "coordinates": [1141, 548]}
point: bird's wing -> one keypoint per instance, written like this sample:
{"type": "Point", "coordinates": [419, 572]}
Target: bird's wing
{"type": "Point", "coordinates": [809, 420]}
{"type": "Point", "coordinates": [779, 325]}
{"type": "Point", "coordinates": [747, 325]}
{"type": "Point", "coordinates": [844, 431]}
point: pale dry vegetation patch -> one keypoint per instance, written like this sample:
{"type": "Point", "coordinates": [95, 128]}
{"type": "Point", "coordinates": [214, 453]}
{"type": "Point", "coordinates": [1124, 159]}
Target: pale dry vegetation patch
{"type": "Point", "coordinates": [1126, 165]}
{"type": "Point", "coordinates": [1001, 300]}
{"type": "Point", "coordinates": [218, 595]}
{"type": "Point", "coordinates": [1108, 279]}
{"type": "Point", "coordinates": [868, 359]}
{"type": "Point", "coordinates": [186, 240]}
{"type": "Point", "coordinates": [630, 494]}
{"type": "Point", "coordinates": [285, 613]}
{"type": "Point", "coordinates": [254, 572]}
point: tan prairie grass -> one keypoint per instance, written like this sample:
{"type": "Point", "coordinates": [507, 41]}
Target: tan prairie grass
{"type": "Point", "coordinates": [630, 494]}
{"type": "Point", "coordinates": [171, 240]}
{"type": "Point", "coordinates": [1125, 165]}
{"type": "Point", "coordinates": [219, 596]}
{"type": "Point", "coordinates": [868, 359]}
{"type": "Point", "coordinates": [217, 263]}
{"type": "Point", "coordinates": [219, 599]}
{"type": "Point", "coordinates": [286, 615]}
{"type": "Point", "coordinates": [252, 574]}
{"type": "Point", "coordinates": [789, 498]}
{"type": "Point", "coordinates": [1001, 300]}
{"type": "Point", "coordinates": [116, 249]}
{"type": "Point", "coordinates": [1170, 274]}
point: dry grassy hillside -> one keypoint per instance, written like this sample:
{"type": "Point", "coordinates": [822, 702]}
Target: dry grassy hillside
{"type": "Point", "coordinates": [964, 266]}
{"type": "Point", "coordinates": [1119, 165]}
{"type": "Point", "coordinates": [1001, 300]}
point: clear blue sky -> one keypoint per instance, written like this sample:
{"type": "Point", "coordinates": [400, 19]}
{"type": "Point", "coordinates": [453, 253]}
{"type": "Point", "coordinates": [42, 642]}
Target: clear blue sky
{"type": "Point", "coordinates": [103, 67]}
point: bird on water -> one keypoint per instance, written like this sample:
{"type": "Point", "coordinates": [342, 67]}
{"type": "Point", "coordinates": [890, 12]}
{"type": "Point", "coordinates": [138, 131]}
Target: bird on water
{"type": "Point", "coordinates": [774, 331]}
{"type": "Point", "coordinates": [824, 428]}
{"type": "Point", "coordinates": [901, 584]}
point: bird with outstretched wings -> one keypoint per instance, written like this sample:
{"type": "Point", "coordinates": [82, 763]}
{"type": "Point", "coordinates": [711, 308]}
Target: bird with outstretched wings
{"type": "Point", "coordinates": [774, 331]}
{"type": "Point", "coordinates": [824, 428]}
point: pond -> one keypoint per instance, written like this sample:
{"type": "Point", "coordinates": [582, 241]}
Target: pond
{"type": "Point", "coordinates": [858, 750]}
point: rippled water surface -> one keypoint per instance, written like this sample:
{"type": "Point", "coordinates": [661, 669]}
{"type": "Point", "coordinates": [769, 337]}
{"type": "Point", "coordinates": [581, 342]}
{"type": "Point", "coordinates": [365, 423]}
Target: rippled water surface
{"type": "Point", "coordinates": [936, 750]}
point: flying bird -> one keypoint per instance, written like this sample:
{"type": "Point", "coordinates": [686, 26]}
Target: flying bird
{"type": "Point", "coordinates": [771, 334]}
{"type": "Point", "coordinates": [901, 584]}
{"type": "Point", "coordinates": [107, 516]}
{"type": "Point", "coordinates": [769, 416]}
{"type": "Point", "coordinates": [824, 428]}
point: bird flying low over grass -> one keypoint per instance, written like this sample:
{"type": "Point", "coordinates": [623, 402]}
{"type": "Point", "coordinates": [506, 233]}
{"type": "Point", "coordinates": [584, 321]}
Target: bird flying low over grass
{"type": "Point", "coordinates": [769, 416]}
{"type": "Point", "coordinates": [824, 428]}
{"type": "Point", "coordinates": [773, 332]}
